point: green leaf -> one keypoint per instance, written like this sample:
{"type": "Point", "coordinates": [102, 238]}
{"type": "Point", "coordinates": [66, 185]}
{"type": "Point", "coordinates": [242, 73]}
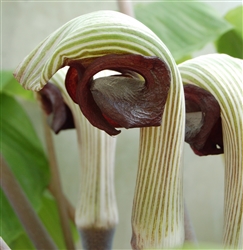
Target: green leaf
{"type": "Point", "coordinates": [234, 17]}
{"type": "Point", "coordinates": [183, 27]}
{"type": "Point", "coordinates": [231, 42]}
{"type": "Point", "coordinates": [50, 218]}
{"type": "Point", "coordinates": [10, 85]}
{"type": "Point", "coordinates": [22, 242]}
{"type": "Point", "coordinates": [23, 152]}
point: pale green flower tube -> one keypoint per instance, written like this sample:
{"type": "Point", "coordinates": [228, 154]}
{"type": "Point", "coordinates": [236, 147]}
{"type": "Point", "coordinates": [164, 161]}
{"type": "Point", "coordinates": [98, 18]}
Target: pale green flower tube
{"type": "Point", "coordinates": [158, 208]}
{"type": "Point", "coordinates": [157, 217]}
{"type": "Point", "coordinates": [221, 75]}
{"type": "Point", "coordinates": [96, 213]}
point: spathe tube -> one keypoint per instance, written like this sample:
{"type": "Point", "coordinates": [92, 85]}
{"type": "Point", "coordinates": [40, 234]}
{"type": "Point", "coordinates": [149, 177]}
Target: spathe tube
{"type": "Point", "coordinates": [96, 212]}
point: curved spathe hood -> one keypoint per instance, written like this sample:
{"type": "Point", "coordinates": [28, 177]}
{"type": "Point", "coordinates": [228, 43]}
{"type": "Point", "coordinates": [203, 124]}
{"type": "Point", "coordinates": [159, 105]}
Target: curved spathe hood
{"type": "Point", "coordinates": [85, 38]}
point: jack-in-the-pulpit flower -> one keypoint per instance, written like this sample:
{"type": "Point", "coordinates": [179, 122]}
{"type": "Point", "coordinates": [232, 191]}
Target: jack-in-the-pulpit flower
{"type": "Point", "coordinates": [221, 76]}
{"type": "Point", "coordinates": [111, 40]}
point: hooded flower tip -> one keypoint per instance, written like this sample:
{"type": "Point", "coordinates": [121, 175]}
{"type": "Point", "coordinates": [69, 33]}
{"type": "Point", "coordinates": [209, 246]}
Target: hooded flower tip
{"type": "Point", "coordinates": [205, 136]}
{"type": "Point", "coordinates": [59, 116]}
{"type": "Point", "coordinates": [120, 101]}
{"type": "Point", "coordinates": [120, 56]}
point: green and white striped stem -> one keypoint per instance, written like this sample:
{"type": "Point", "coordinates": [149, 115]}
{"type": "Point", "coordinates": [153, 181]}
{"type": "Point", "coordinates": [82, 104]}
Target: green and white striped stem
{"type": "Point", "coordinates": [96, 211]}
{"type": "Point", "coordinates": [158, 209]}
{"type": "Point", "coordinates": [221, 75]}
{"type": "Point", "coordinates": [157, 217]}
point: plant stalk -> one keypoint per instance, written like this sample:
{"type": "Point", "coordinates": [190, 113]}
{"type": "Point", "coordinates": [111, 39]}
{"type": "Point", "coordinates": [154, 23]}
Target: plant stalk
{"type": "Point", "coordinates": [125, 7]}
{"type": "Point", "coordinates": [23, 209]}
{"type": "Point", "coordinates": [70, 208]}
{"type": "Point", "coordinates": [56, 188]}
